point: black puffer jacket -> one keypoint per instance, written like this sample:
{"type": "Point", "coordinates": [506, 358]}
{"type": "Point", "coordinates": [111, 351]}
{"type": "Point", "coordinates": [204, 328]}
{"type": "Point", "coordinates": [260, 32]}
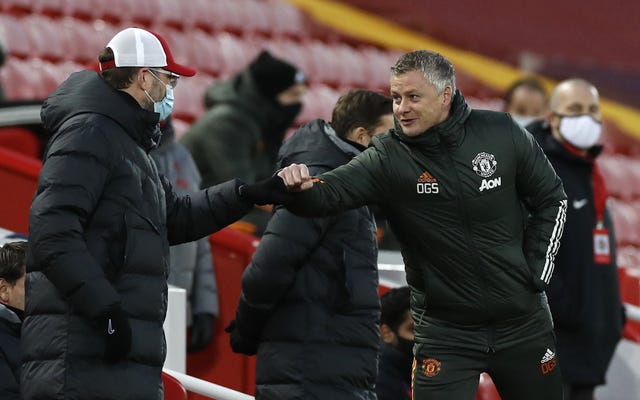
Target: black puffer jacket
{"type": "Point", "coordinates": [584, 296]}
{"type": "Point", "coordinates": [101, 223]}
{"type": "Point", "coordinates": [9, 353]}
{"type": "Point", "coordinates": [313, 283]}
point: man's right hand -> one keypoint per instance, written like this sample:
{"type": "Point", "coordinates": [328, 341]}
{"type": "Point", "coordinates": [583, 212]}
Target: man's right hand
{"type": "Point", "coordinates": [117, 332]}
{"type": "Point", "coordinates": [296, 177]}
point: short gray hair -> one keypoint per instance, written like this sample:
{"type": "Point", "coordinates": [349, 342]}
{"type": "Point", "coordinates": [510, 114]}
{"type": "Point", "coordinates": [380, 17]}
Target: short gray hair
{"type": "Point", "coordinates": [437, 70]}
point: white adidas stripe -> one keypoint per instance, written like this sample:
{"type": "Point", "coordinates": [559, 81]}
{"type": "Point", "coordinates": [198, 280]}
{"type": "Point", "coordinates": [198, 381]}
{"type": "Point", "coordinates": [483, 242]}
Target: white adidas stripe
{"type": "Point", "coordinates": [554, 242]}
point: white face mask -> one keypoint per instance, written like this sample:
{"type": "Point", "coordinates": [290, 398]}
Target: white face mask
{"type": "Point", "coordinates": [523, 121]}
{"type": "Point", "coordinates": [582, 131]}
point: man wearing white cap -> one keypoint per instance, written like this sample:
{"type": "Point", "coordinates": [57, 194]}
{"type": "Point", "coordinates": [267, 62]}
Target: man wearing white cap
{"type": "Point", "coordinates": [101, 223]}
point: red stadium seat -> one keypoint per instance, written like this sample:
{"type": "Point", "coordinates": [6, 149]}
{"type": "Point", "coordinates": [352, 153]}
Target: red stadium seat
{"type": "Point", "coordinates": [617, 141]}
{"type": "Point", "coordinates": [52, 8]}
{"type": "Point", "coordinates": [15, 36]}
{"type": "Point", "coordinates": [189, 97]}
{"type": "Point", "coordinates": [235, 53]}
{"type": "Point", "coordinates": [616, 172]}
{"type": "Point", "coordinates": [16, 7]}
{"type": "Point", "coordinates": [285, 19]}
{"type": "Point", "coordinates": [46, 40]}
{"type": "Point", "coordinates": [170, 13]}
{"type": "Point", "coordinates": [318, 103]}
{"type": "Point", "coordinates": [83, 40]}
{"type": "Point", "coordinates": [626, 219]}
{"type": "Point", "coordinates": [18, 80]}
{"type": "Point", "coordinates": [628, 257]}
{"type": "Point", "coordinates": [20, 140]}
{"type": "Point", "coordinates": [173, 389]}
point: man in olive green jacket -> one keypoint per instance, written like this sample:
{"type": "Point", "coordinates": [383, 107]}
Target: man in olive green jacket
{"type": "Point", "coordinates": [479, 213]}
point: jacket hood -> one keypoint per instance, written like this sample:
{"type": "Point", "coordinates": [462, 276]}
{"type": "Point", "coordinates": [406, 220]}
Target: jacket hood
{"type": "Point", "coordinates": [542, 132]}
{"type": "Point", "coordinates": [449, 132]}
{"type": "Point", "coordinates": [317, 145]}
{"type": "Point", "coordinates": [86, 92]}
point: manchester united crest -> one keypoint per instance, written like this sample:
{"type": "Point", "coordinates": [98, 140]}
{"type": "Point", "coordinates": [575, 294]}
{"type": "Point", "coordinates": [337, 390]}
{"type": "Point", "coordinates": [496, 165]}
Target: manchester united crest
{"type": "Point", "coordinates": [484, 164]}
{"type": "Point", "coordinates": [431, 367]}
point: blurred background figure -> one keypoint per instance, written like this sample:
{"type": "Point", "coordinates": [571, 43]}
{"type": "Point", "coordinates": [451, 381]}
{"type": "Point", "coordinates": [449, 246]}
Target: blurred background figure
{"type": "Point", "coordinates": [526, 100]}
{"type": "Point", "coordinates": [396, 355]}
{"type": "Point", "coordinates": [309, 305]}
{"type": "Point", "coordinates": [191, 264]}
{"type": "Point", "coordinates": [12, 272]}
{"type": "Point", "coordinates": [247, 118]}
{"type": "Point", "coordinates": [584, 293]}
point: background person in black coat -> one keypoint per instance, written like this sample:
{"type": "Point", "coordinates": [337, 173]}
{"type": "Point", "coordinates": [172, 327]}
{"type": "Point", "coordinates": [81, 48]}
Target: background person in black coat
{"type": "Point", "coordinates": [584, 293]}
{"type": "Point", "coordinates": [309, 304]}
{"type": "Point", "coordinates": [12, 272]}
{"type": "Point", "coordinates": [396, 355]}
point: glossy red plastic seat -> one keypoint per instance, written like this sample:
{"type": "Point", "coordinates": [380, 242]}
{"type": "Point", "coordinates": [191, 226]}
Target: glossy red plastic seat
{"type": "Point", "coordinates": [173, 389]}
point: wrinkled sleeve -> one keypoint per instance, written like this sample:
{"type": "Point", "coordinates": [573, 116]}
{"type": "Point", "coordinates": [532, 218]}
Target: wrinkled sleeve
{"type": "Point", "coordinates": [360, 182]}
{"type": "Point", "coordinates": [191, 217]}
{"type": "Point", "coordinates": [70, 185]}
{"type": "Point", "coordinates": [540, 189]}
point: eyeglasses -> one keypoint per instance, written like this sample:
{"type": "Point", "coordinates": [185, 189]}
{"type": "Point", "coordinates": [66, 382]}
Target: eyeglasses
{"type": "Point", "coordinates": [173, 78]}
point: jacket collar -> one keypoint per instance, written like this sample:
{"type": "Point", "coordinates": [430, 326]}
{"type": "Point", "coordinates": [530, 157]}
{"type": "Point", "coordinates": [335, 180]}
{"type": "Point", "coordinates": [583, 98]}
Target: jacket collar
{"type": "Point", "coordinates": [449, 132]}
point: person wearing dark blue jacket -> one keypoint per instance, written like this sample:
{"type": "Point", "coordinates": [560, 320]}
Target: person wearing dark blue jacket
{"type": "Point", "coordinates": [309, 303]}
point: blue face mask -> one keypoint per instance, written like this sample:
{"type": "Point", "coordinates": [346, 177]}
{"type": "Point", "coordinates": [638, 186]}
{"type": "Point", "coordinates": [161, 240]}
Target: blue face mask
{"type": "Point", "coordinates": [164, 106]}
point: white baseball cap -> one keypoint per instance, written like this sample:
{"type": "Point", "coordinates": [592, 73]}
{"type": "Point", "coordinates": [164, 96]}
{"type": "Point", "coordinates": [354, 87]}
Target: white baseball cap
{"type": "Point", "coordinates": [135, 47]}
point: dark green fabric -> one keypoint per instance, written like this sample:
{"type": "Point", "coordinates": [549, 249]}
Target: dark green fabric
{"type": "Point", "coordinates": [472, 256]}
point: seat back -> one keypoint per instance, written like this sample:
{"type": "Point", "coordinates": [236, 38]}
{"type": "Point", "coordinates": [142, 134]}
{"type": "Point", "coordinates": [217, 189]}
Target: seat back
{"type": "Point", "coordinates": [173, 389]}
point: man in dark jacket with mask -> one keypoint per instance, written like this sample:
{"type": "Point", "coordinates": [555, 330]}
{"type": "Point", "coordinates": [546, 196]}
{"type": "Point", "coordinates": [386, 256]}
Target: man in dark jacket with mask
{"type": "Point", "coordinates": [101, 223]}
{"type": "Point", "coordinates": [12, 271]}
{"type": "Point", "coordinates": [396, 355]}
{"type": "Point", "coordinates": [452, 182]}
{"type": "Point", "coordinates": [247, 118]}
{"type": "Point", "coordinates": [309, 304]}
{"type": "Point", "coordinates": [584, 294]}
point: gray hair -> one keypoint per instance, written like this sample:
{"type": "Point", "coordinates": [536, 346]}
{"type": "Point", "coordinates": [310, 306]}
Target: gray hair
{"type": "Point", "coordinates": [436, 69]}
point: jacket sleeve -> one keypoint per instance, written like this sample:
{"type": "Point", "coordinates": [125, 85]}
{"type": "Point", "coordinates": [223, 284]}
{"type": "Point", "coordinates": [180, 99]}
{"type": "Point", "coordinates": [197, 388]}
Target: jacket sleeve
{"type": "Point", "coordinates": [204, 296]}
{"type": "Point", "coordinates": [540, 189]}
{"type": "Point", "coordinates": [361, 181]}
{"type": "Point", "coordinates": [288, 241]}
{"type": "Point", "coordinates": [70, 185]}
{"type": "Point", "coordinates": [192, 217]}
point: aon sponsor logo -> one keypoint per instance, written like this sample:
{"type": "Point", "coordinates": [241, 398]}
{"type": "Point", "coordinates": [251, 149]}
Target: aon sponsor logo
{"type": "Point", "coordinates": [427, 188]}
{"type": "Point", "coordinates": [490, 183]}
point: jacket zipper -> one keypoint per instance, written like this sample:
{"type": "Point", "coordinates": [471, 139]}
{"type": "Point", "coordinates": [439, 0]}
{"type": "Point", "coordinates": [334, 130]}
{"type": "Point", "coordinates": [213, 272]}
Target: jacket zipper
{"type": "Point", "coordinates": [472, 248]}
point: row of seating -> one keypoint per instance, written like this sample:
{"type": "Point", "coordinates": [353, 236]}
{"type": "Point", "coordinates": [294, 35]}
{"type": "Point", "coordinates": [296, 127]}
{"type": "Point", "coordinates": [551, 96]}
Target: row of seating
{"type": "Point", "coordinates": [219, 54]}
{"type": "Point", "coordinates": [266, 17]}
{"type": "Point", "coordinates": [621, 174]}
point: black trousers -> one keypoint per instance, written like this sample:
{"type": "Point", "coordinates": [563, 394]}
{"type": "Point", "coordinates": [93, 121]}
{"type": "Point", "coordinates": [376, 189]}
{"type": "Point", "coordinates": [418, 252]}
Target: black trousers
{"type": "Point", "coordinates": [526, 371]}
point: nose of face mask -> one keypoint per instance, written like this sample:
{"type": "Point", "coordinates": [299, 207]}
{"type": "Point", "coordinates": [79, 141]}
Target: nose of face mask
{"type": "Point", "coordinates": [581, 131]}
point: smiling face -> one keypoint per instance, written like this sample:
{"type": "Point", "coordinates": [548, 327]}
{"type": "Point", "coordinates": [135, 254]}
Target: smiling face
{"type": "Point", "coordinates": [417, 105]}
